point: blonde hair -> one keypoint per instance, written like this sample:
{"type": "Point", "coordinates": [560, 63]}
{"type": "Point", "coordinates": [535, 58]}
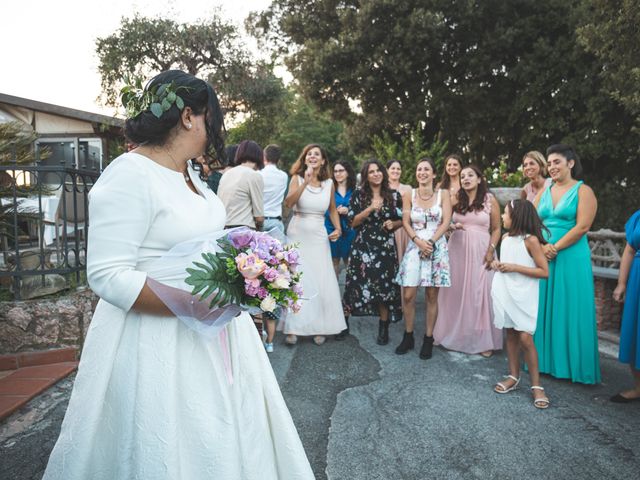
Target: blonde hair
{"type": "Point", "coordinates": [537, 157]}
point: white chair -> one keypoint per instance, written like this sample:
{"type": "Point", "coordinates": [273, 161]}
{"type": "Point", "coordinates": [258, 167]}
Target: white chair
{"type": "Point", "coordinates": [69, 219]}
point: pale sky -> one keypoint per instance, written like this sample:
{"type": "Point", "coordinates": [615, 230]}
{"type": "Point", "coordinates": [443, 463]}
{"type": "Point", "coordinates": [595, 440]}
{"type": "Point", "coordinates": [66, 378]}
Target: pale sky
{"type": "Point", "coordinates": [47, 47]}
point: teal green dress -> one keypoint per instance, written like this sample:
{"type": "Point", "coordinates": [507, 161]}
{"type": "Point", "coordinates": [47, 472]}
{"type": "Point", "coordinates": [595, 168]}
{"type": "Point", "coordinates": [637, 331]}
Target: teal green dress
{"type": "Point", "coordinates": [566, 335]}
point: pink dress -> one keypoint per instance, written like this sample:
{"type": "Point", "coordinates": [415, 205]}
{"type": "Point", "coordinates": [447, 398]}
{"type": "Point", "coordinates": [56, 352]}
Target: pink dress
{"type": "Point", "coordinates": [465, 314]}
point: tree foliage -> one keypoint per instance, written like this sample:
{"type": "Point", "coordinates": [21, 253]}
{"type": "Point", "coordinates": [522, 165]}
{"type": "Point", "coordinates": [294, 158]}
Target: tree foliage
{"type": "Point", "coordinates": [611, 33]}
{"type": "Point", "coordinates": [294, 126]}
{"type": "Point", "coordinates": [493, 78]}
{"type": "Point", "coordinates": [409, 150]}
{"type": "Point", "coordinates": [210, 49]}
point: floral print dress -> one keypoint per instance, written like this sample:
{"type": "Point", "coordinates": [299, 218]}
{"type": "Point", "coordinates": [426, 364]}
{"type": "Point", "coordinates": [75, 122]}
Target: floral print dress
{"type": "Point", "coordinates": [373, 262]}
{"type": "Point", "coordinates": [432, 271]}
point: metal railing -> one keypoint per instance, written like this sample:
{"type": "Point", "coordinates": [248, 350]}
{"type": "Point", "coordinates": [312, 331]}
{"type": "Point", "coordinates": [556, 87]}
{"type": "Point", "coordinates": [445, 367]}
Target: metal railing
{"type": "Point", "coordinates": [43, 224]}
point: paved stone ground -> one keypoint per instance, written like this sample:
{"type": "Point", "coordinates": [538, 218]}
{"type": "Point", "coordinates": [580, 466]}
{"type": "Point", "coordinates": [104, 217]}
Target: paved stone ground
{"type": "Point", "coordinates": [365, 413]}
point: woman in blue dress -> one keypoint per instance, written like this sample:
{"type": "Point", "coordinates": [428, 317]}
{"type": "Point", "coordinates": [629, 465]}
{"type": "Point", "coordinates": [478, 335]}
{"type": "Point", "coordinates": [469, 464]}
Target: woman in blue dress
{"type": "Point", "coordinates": [344, 181]}
{"type": "Point", "coordinates": [628, 291]}
{"type": "Point", "coordinates": [566, 336]}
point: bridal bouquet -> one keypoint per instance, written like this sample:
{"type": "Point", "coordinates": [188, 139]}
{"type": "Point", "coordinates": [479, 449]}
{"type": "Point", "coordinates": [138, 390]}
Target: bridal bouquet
{"type": "Point", "coordinates": [252, 269]}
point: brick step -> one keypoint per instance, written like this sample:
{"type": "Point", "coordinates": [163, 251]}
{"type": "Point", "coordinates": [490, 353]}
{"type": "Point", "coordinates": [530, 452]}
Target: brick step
{"type": "Point", "coordinates": [13, 361]}
{"type": "Point", "coordinates": [25, 383]}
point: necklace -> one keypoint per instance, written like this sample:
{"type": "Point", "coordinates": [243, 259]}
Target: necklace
{"type": "Point", "coordinates": [425, 199]}
{"type": "Point", "coordinates": [184, 172]}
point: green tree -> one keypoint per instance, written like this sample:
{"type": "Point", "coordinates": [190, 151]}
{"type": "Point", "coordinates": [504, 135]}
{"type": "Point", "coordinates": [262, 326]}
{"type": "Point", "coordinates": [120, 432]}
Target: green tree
{"type": "Point", "coordinates": [611, 33]}
{"type": "Point", "coordinates": [409, 150]}
{"type": "Point", "coordinates": [210, 48]}
{"type": "Point", "coordinates": [493, 78]}
{"type": "Point", "coordinates": [296, 125]}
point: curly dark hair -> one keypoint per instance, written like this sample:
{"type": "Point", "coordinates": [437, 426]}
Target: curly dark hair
{"type": "Point", "coordinates": [147, 129]}
{"type": "Point", "coordinates": [463, 205]}
{"type": "Point", "coordinates": [351, 174]}
{"type": "Point", "coordinates": [366, 194]}
{"type": "Point", "coordinates": [525, 220]}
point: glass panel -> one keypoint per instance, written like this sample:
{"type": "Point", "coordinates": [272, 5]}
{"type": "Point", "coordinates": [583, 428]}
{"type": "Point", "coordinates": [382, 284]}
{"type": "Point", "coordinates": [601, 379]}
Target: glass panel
{"type": "Point", "coordinates": [90, 153]}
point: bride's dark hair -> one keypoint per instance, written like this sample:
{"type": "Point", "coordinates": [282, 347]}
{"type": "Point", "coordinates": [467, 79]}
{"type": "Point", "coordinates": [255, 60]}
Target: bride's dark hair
{"type": "Point", "coordinates": [147, 129]}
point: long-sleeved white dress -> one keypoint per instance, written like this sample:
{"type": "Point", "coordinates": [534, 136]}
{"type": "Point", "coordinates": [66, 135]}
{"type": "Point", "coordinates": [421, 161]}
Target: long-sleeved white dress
{"type": "Point", "coordinates": [151, 399]}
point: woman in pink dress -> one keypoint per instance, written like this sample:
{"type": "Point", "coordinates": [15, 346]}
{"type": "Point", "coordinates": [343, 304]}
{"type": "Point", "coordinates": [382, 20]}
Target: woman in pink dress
{"type": "Point", "coordinates": [534, 167]}
{"type": "Point", "coordinates": [465, 320]}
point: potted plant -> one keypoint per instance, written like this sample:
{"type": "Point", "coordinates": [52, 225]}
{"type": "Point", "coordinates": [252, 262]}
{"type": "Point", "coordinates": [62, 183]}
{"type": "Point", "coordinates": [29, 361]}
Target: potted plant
{"type": "Point", "coordinates": [505, 185]}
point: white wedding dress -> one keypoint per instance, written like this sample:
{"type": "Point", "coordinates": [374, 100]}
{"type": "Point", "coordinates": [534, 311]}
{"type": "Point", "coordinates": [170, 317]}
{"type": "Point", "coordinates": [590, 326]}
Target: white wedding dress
{"type": "Point", "coordinates": [152, 399]}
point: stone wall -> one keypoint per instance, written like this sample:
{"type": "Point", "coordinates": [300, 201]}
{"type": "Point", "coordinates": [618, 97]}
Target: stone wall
{"type": "Point", "coordinates": [42, 324]}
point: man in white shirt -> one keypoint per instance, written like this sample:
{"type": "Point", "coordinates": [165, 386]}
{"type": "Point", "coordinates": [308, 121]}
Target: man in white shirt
{"type": "Point", "coordinates": [275, 187]}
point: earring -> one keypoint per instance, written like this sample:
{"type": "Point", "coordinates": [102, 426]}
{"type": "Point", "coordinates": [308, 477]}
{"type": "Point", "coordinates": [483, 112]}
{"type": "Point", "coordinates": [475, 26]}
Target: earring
{"type": "Point", "coordinates": [188, 126]}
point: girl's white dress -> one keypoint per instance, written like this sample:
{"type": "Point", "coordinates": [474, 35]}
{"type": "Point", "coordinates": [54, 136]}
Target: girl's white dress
{"type": "Point", "coordinates": [514, 295]}
{"type": "Point", "coordinates": [151, 399]}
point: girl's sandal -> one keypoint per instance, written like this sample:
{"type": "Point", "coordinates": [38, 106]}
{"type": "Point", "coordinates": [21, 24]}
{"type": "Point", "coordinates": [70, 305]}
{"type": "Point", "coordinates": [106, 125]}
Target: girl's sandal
{"type": "Point", "coordinates": [502, 388]}
{"type": "Point", "coordinates": [542, 402]}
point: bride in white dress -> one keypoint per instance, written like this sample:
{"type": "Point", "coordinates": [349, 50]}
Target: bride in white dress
{"type": "Point", "coordinates": [311, 194]}
{"type": "Point", "coordinates": [152, 399]}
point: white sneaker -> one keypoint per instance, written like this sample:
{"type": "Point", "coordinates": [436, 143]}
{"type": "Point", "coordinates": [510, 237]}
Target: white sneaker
{"type": "Point", "coordinates": [268, 347]}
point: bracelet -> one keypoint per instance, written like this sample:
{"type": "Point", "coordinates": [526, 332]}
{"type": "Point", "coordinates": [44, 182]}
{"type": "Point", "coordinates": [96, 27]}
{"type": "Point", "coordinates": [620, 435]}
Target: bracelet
{"type": "Point", "coordinates": [431, 242]}
{"type": "Point", "coordinates": [413, 238]}
{"type": "Point", "coordinates": [493, 246]}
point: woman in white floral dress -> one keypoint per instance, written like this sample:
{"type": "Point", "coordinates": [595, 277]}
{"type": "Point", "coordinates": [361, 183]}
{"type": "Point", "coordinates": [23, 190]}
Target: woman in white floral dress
{"type": "Point", "coordinates": [426, 217]}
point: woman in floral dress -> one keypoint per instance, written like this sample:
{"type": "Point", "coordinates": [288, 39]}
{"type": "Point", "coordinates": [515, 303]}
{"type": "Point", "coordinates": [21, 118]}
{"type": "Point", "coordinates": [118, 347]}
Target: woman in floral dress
{"type": "Point", "coordinates": [426, 216]}
{"type": "Point", "coordinates": [375, 214]}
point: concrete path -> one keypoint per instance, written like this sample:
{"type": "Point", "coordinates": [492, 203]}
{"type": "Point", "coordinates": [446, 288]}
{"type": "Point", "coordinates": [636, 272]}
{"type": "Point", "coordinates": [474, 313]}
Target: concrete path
{"type": "Point", "coordinates": [365, 413]}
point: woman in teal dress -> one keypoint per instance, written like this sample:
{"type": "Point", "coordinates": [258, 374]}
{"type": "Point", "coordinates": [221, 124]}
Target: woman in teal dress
{"type": "Point", "coordinates": [566, 336]}
{"type": "Point", "coordinates": [628, 291]}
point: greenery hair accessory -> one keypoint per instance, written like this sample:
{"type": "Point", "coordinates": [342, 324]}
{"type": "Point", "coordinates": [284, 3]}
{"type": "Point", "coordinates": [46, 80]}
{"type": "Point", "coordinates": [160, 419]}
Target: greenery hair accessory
{"type": "Point", "coordinates": [156, 98]}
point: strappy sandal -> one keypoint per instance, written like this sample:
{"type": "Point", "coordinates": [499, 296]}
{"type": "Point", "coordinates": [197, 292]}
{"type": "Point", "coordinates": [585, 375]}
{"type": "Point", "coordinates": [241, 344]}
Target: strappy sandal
{"type": "Point", "coordinates": [502, 388]}
{"type": "Point", "coordinates": [542, 402]}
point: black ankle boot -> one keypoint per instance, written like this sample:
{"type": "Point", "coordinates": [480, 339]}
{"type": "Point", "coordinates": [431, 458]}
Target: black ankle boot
{"type": "Point", "coordinates": [343, 334]}
{"type": "Point", "coordinates": [383, 332]}
{"type": "Point", "coordinates": [406, 344]}
{"type": "Point", "coordinates": [427, 348]}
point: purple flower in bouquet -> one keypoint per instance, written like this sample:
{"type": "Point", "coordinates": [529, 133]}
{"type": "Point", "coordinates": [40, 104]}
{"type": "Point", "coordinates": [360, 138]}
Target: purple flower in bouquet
{"type": "Point", "coordinates": [241, 238]}
{"type": "Point", "coordinates": [297, 289]}
{"type": "Point", "coordinates": [270, 274]}
{"type": "Point", "coordinates": [262, 293]}
{"type": "Point", "coordinates": [292, 257]}
{"type": "Point", "coordinates": [273, 260]}
{"type": "Point", "coordinates": [252, 287]}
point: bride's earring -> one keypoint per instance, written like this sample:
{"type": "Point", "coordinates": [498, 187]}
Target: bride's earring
{"type": "Point", "coordinates": [189, 126]}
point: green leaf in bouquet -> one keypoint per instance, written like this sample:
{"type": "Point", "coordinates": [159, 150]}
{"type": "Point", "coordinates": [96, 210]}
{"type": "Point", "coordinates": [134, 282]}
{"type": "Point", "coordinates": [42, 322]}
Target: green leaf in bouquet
{"type": "Point", "coordinates": [210, 280]}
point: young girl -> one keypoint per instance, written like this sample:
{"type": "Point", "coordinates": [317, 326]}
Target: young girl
{"type": "Point", "coordinates": [515, 293]}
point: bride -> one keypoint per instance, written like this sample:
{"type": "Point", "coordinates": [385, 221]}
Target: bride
{"type": "Point", "coordinates": [152, 398]}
